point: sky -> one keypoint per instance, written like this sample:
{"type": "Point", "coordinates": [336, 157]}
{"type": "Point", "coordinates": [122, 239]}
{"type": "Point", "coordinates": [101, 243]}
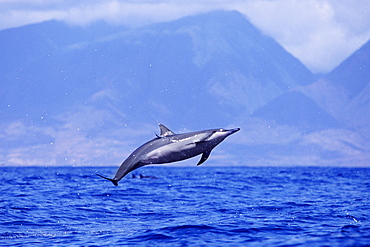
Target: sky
{"type": "Point", "coordinates": [321, 33]}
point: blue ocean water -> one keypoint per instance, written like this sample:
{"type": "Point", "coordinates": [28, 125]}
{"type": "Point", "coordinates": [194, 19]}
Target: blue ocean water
{"type": "Point", "coordinates": [192, 206]}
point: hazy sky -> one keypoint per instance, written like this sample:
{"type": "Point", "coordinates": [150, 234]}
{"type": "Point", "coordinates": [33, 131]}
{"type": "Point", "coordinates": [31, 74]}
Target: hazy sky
{"type": "Point", "coordinates": [321, 33]}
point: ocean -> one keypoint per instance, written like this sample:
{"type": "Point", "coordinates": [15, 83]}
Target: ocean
{"type": "Point", "coordinates": [185, 206]}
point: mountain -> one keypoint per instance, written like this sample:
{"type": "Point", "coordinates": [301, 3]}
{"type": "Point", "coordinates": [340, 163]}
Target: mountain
{"type": "Point", "coordinates": [90, 95]}
{"type": "Point", "coordinates": [345, 92]}
{"type": "Point", "coordinates": [296, 109]}
{"type": "Point", "coordinates": [220, 53]}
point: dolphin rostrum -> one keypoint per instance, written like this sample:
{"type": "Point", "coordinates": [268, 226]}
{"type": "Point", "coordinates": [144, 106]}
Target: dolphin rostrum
{"type": "Point", "coordinates": [170, 147]}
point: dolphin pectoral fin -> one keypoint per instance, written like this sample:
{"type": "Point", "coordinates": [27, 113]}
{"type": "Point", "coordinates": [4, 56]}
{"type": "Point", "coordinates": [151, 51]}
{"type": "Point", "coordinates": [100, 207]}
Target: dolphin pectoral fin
{"type": "Point", "coordinates": [165, 131]}
{"type": "Point", "coordinates": [115, 182]}
{"type": "Point", "coordinates": [204, 157]}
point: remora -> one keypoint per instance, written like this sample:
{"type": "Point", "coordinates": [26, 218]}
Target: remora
{"type": "Point", "coordinates": [170, 147]}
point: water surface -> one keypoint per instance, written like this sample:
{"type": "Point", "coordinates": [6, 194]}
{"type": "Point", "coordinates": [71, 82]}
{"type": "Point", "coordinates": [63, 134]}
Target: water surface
{"type": "Point", "coordinates": [192, 206]}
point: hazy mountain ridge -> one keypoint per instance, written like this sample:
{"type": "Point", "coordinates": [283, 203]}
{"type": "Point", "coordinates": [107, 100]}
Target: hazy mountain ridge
{"type": "Point", "coordinates": [345, 92]}
{"type": "Point", "coordinates": [91, 97]}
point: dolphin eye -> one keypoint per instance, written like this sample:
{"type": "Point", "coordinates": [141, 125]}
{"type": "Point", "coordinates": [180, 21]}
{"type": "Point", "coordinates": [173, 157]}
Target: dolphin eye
{"type": "Point", "coordinates": [222, 130]}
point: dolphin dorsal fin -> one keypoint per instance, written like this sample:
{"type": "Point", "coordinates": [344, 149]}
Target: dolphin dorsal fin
{"type": "Point", "coordinates": [165, 131]}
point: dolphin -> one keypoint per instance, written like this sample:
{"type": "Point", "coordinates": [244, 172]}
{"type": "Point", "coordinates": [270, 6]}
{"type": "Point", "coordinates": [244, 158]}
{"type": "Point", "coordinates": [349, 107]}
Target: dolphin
{"type": "Point", "coordinates": [170, 147]}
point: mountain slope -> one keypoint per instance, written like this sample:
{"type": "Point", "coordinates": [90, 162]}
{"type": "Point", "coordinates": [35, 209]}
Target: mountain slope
{"type": "Point", "coordinates": [295, 109]}
{"type": "Point", "coordinates": [345, 92]}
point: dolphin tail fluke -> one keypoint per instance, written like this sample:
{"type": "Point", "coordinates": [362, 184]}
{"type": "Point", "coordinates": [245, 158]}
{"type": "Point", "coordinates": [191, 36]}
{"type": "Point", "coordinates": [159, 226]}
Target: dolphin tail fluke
{"type": "Point", "coordinates": [115, 182]}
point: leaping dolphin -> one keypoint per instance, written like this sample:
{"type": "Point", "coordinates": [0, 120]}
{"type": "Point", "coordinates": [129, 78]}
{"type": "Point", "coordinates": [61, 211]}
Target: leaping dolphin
{"type": "Point", "coordinates": [170, 147]}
